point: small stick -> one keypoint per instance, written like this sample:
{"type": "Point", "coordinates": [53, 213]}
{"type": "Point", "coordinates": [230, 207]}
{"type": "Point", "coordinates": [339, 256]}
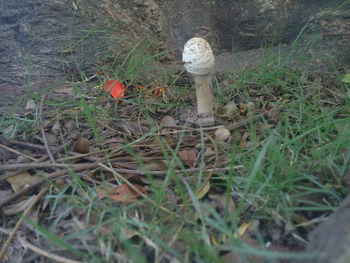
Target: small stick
{"type": "Point", "coordinates": [159, 173]}
{"type": "Point", "coordinates": [4, 177]}
{"type": "Point", "coordinates": [39, 250]}
{"type": "Point", "coordinates": [24, 144]}
{"type": "Point", "coordinates": [231, 127]}
{"type": "Point", "coordinates": [46, 254]}
{"type": "Point", "coordinates": [47, 146]}
{"type": "Point", "coordinates": [8, 167]}
{"type": "Point", "coordinates": [20, 222]}
{"type": "Point", "coordinates": [17, 152]}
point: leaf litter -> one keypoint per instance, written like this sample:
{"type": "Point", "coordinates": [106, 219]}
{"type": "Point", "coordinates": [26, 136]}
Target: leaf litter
{"type": "Point", "coordinates": [141, 151]}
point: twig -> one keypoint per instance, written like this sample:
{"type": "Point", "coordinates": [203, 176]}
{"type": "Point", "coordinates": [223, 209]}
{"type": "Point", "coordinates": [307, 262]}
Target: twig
{"type": "Point", "coordinates": [38, 250]}
{"type": "Point", "coordinates": [20, 222]}
{"type": "Point", "coordinates": [9, 167]}
{"type": "Point", "coordinates": [159, 173]}
{"type": "Point", "coordinates": [47, 146]}
{"type": "Point", "coordinates": [231, 127]}
{"type": "Point", "coordinates": [4, 177]}
{"type": "Point", "coordinates": [44, 253]}
{"type": "Point", "coordinates": [17, 152]}
{"type": "Point", "coordinates": [53, 176]}
{"type": "Point", "coordinates": [24, 144]}
{"type": "Point", "coordinates": [56, 150]}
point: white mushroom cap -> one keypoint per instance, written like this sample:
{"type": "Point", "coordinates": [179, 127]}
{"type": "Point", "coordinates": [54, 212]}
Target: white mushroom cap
{"type": "Point", "coordinates": [198, 56]}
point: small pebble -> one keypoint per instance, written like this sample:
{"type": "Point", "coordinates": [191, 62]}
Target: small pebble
{"type": "Point", "coordinates": [222, 134]}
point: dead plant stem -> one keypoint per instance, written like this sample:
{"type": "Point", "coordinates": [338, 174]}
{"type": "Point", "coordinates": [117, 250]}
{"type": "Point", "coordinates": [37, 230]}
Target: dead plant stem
{"type": "Point", "coordinates": [42, 128]}
{"type": "Point", "coordinates": [20, 222]}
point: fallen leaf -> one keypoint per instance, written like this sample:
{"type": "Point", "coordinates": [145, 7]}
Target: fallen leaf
{"type": "Point", "coordinates": [122, 193]}
{"type": "Point", "coordinates": [82, 145]}
{"type": "Point", "coordinates": [242, 229]}
{"type": "Point", "coordinates": [243, 141]}
{"type": "Point", "coordinates": [203, 190]}
{"type": "Point", "coordinates": [21, 180]}
{"type": "Point", "coordinates": [115, 88]}
{"type": "Point", "coordinates": [189, 157]}
{"type": "Point", "coordinates": [158, 91]}
{"type": "Point", "coordinates": [213, 240]}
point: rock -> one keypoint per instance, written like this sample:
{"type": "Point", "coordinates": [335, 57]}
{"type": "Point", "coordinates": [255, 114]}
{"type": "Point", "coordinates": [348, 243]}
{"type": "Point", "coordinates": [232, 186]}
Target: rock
{"type": "Point", "coordinates": [222, 134]}
{"type": "Point", "coordinates": [331, 239]}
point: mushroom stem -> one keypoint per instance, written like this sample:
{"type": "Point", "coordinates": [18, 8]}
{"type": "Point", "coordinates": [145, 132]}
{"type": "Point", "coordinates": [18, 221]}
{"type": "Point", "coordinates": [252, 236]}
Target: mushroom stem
{"type": "Point", "coordinates": [204, 100]}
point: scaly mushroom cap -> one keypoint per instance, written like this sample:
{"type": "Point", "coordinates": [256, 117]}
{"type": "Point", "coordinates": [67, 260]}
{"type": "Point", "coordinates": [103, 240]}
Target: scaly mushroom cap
{"type": "Point", "coordinates": [198, 56]}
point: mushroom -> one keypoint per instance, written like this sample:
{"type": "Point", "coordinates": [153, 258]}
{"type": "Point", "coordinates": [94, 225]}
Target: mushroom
{"type": "Point", "coordinates": [199, 61]}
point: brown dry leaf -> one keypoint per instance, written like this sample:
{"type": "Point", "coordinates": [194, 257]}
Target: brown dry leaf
{"type": "Point", "coordinates": [21, 180]}
{"type": "Point", "coordinates": [243, 141]}
{"type": "Point", "coordinates": [189, 157]}
{"type": "Point", "coordinates": [122, 193]}
{"type": "Point", "coordinates": [82, 145]}
{"type": "Point", "coordinates": [158, 91]}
